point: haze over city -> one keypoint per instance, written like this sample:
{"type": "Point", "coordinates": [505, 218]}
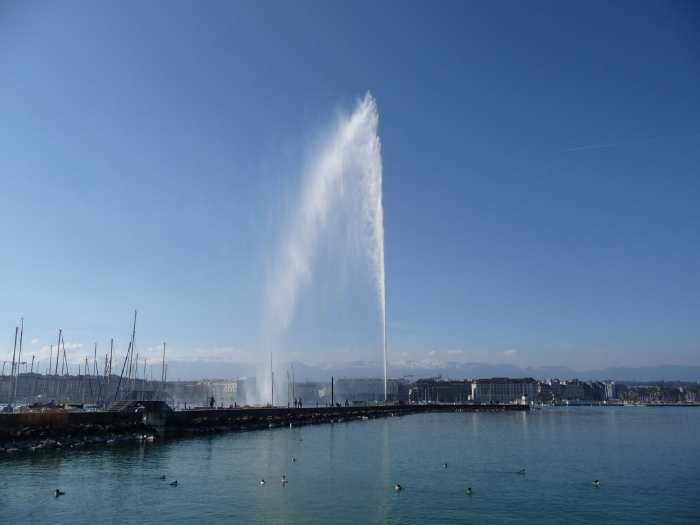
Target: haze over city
{"type": "Point", "coordinates": [540, 182]}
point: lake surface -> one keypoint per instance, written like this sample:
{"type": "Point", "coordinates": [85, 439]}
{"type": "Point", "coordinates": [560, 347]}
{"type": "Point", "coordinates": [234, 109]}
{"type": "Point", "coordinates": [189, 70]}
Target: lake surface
{"type": "Point", "coordinates": [647, 460]}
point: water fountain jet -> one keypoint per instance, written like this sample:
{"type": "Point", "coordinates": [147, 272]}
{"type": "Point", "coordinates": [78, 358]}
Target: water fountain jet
{"type": "Point", "coordinates": [351, 157]}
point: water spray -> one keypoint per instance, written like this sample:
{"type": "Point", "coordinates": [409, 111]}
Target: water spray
{"type": "Point", "coordinates": [351, 158]}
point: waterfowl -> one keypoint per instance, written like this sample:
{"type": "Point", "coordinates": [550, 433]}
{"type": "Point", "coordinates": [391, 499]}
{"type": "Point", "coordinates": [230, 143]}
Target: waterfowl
{"type": "Point", "coordinates": [596, 483]}
{"type": "Point", "coordinates": [173, 483]}
{"type": "Point", "coordinates": [521, 471]}
{"type": "Point", "coordinates": [444, 465]}
{"type": "Point", "coordinates": [262, 482]}
{"type": "Point", "coordinates": [284, 479]}
{"type": "Point", "coordinates": [294, 460]}
{"type": "Point", "coordinates": [469, 491]}
{"type": "Point", "coordinates": [397, 487]}
{"type": "Point", "coordinates": [59, 493]}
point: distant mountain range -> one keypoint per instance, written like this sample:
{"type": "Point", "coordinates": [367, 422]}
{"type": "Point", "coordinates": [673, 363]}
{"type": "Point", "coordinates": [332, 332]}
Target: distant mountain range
{"type": "Point", "coordinates": [191, 370]}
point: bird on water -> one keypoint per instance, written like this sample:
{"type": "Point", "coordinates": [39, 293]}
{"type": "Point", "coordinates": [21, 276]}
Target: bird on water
{"type": "Point", "coordinates": [596, 483]}
{"type": "Point", "coordinates": [469, 491]}
{"type": "Point", "coordinates": [59, 493]}
{"type": "Point", "coordinates": [444, 465]}
{"type": "Point", "coordinates": [521, 471]}
{"type": "Point", "coordinates": [398, 487]}
{"type": "Point", "coordinates": [284, 479]}
{"type": "Point", "coordinates": [262, 482]}
{"type": "Point", "coordinates": [173, 483]}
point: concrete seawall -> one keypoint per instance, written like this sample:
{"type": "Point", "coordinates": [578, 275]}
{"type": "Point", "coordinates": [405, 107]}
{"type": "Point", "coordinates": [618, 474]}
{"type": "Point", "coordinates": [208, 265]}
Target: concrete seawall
{"type": "Point", "coordinates": [57, 429]}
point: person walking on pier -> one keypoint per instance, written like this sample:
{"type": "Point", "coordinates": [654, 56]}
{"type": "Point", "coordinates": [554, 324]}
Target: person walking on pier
{"type": "Point", "coordinates": [211, 402]}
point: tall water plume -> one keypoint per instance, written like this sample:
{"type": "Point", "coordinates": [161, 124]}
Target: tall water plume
{"type": "Point", "coordinates": [345, 176]}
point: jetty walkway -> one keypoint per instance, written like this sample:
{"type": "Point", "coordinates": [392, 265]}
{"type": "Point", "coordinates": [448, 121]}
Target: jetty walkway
{"type": "Point", "coordinates": [32, 431]}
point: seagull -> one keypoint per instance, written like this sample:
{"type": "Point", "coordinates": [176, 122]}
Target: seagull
{"type": "Point", "coordinates": [173, 483]}
{"type": "Point", "coordinates": [284, 479]}
{"type": "Point", "coordinates": [521, 471]}
{"type": "Point", "coordinates": [469, 491]}
{"type": "Point", "coordinates": [444, 465]}
{"type": "Point", "coordinates": [596, 483]}
{"type": "Point", "coordinates": [294, 460]}
{"type": "Point", "coordinates": [262, 482]}
{"type": "Point", "coordinates": [397, 487]}
{"type": "Point", "coordinates": [59, 493]}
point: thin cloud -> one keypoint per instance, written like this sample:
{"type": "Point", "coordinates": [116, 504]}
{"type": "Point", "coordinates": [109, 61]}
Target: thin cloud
{"type": "Point", "coordinates": [594, 146]}
{"type": "Point", "coordinates": [455, 352]}
{"type": "Point", "coordinates": [217, 353]}
{"type": "Point", "coordinates": [68, 346]}
{"type": "Point", "coordinates": [627, 142]}
{"type": "Point", "coordinates": [511, 352]}
{"type": "Point", "coordinates": [47, 349]}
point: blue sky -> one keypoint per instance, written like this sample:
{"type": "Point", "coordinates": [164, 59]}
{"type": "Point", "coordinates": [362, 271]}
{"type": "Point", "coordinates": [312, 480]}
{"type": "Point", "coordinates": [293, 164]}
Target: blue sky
{"type": "Point", "coordinates": [541, 180]}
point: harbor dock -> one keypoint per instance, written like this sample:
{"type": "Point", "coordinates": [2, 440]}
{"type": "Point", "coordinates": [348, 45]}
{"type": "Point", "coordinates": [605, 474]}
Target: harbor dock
{"type": "Point", "coordinates": [34, 431]}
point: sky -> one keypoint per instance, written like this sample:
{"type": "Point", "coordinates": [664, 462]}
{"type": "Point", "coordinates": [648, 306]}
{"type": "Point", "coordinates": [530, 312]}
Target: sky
{"type": "Point", "coordinates": [541, 165]}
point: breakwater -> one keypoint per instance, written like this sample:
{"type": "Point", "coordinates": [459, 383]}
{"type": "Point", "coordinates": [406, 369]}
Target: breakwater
{"type": "Point", "coordinates": [34, 431]}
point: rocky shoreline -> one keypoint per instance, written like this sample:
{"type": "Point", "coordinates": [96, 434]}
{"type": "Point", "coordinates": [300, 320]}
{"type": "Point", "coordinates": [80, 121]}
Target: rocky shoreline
{"type": "Point", "coordinates": [32, 440]}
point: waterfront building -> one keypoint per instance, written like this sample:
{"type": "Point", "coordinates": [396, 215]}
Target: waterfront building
{"type": "Point", "coordinates": [370, 390]}
{"type": "Point", "coordinates": [439, 391]}
{"type": "Point", "coordinates": [311, 393]}
{"type": "Point", "coordinates": [504, 390]}
{"type": "Point", "coordinates": [226, 392]}
{"type": "Point", "coordinates": [594, 391]}
{"type": "Point", "coordinates": [610, 390]}
{"type": "Point", "coordinates": [569, 390]}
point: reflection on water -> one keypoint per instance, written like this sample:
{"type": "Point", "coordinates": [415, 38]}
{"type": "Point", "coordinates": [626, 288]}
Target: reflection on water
{"type": "Point", "coordinates": [646, 459]}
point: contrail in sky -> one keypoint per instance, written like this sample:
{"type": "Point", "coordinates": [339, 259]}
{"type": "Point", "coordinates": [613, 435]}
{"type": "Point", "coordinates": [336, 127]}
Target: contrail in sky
{"type": "Point", "coordinates": [629, 142]}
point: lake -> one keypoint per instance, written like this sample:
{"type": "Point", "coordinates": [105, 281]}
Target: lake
{"type": "Point", "coordinates": [647, 461]}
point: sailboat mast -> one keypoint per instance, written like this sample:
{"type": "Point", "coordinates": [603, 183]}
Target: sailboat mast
{"type": "Point", "coordinates": [111, 348]}
{"type": "Point", "coordinates": [58, 349]}
{"type": "Point", "coordinates": [272, 383]}
{"type": "Point", "coordinates": [19, 357]}
{"type": "Point", "coordinates": [162, 370]}
{"type": "Point", "coordinates": [14, 350]}
{"type": "Point", "coordinates": [131, 360]}
{"type": "Point", "coordinates": [64, 365]}
{"type": "Point", "coordinates": [121, 375]}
